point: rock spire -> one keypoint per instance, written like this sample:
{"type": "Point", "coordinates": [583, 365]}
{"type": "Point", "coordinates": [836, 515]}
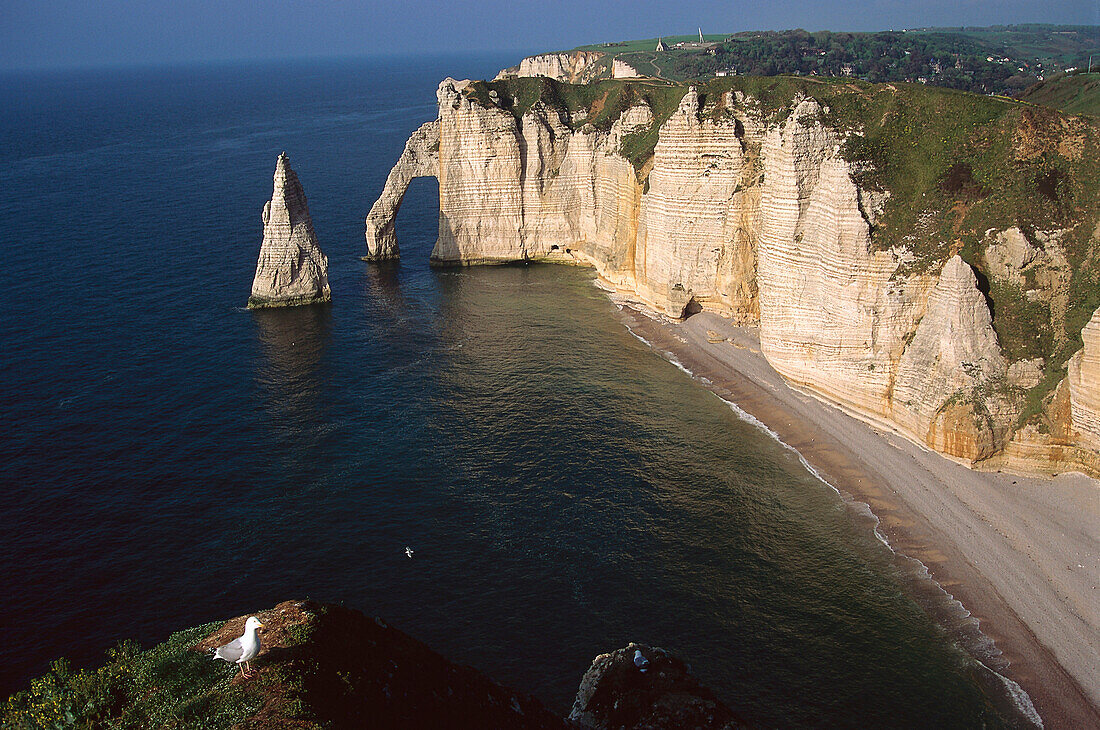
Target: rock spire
{"type": "Point", "coordinates": [291, 269]}
{"type": "Point", "coordinates": [1084, 384]}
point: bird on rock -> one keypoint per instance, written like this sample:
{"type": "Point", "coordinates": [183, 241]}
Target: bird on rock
{"type": "Point", "coordinates": [243, 649]}
{"type": "Point", "coordinates": [640, 661]}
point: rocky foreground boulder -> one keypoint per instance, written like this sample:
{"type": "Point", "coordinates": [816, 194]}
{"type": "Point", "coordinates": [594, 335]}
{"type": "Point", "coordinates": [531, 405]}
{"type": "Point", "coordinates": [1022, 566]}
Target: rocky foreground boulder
{"type": "Point", "coordinates": [616, 694]}
{"type": "Point", "coordinates": [326, 666]}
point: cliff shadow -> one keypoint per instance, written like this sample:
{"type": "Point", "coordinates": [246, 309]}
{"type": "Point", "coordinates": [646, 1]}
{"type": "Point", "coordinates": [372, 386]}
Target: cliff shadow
{"type": "Point", "coordinates": [983, 287]}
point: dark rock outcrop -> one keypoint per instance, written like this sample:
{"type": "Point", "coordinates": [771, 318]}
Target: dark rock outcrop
{"type": "Point", "coordinates": [339, 668]}
{"type": "Point", "coordinates": [615, 694]}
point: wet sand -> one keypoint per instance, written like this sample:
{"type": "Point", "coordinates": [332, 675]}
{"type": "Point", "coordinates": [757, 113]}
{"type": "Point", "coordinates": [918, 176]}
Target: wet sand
{"type": "Point", "coordinates": [1021, 554]}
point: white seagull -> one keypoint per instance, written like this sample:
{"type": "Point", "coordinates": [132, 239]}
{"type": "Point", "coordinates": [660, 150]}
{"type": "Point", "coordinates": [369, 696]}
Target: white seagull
{"type": "Point", "coordinates": [640, 661]}
{"type": "Point", "coordinates": [408, 551]}
{"type": "Point", "coordinates": [243, 649]}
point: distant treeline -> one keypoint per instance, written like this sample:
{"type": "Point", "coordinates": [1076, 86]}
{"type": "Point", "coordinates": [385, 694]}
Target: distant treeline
{"type": "Point", "coordinates": [999, 60]}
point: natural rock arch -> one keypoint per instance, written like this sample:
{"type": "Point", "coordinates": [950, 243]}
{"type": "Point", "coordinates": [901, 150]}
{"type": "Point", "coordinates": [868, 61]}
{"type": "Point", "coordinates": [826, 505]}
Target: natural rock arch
{"type": "Point", "coordinates": [420, 159]}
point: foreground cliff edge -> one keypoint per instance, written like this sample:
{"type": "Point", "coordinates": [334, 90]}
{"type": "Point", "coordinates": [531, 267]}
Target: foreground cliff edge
{"type": "Point", "coordinates": [924, 258]}
{"type": "Point", "coordinates": [329, 666]}
{"type": "Point", "coordinates": [291, 269]}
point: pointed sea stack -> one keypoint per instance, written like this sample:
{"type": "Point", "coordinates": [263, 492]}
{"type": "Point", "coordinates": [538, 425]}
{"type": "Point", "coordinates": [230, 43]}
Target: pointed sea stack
{"type": "Point", "coordinates": [291, 269]}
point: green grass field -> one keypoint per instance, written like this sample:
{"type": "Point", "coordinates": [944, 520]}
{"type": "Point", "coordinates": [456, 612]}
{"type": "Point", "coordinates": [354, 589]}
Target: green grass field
{"type": "Point", "coordinates": [1077, 94]}
{"type": "Point", "coordinates": [648, 44]}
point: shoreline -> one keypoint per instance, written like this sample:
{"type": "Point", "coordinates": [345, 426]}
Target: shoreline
{"type": "Point", "coordinates": [1019, 556]}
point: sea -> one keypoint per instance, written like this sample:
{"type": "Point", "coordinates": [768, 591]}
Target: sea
{"type": "Point", "coordinates": [170, 458]}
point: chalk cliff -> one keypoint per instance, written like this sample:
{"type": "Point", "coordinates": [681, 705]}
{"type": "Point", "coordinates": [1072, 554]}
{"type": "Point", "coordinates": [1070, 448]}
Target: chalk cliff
{"type": "Point", "coordinates": [575, 67]}
{"type": "Point", "coordinates": [1084, 385]}
{"type": "Point", "coordinates": [623, 70]}
{"type": "Point", "coordinates": [753, 211]}
{"type": "Point", "coordinates": [291, 269]}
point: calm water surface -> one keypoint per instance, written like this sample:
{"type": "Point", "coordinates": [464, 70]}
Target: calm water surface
{"type": "Point", "coordinates": [170, 458]}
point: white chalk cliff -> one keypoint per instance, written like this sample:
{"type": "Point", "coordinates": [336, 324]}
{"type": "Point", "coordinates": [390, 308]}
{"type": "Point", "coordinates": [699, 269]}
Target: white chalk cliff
{"type": "Point", "coordinates": [754, 219]}
{"type": "Point", "coordinates": [1084, 385]}
{"type": "Point", "coordinates": [291, 269]}
{"type": "Point", "coordinates": [575, 67]}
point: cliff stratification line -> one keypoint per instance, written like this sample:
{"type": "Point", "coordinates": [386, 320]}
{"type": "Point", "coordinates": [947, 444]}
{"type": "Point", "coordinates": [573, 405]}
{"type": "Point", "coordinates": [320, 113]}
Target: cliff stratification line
{"type": "Point", "coordinates": [770, 211]}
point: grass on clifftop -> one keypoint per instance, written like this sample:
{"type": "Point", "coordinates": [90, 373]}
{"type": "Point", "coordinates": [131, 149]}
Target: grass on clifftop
{"type": "Point", "coordinates": [168, 686]}
{"type": "Point", "coordinates": [599, 103]}
{"type": "Point", "coordinates": [1077, 94]}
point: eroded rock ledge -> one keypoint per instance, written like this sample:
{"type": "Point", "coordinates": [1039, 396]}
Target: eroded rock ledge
{"type": "Point", "coordinates": [756, 214]}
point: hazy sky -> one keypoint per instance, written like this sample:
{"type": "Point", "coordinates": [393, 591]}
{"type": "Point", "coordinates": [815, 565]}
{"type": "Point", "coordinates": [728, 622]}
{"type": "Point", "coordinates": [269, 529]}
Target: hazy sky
{"type": "Point", "coordinates": [58, 33]}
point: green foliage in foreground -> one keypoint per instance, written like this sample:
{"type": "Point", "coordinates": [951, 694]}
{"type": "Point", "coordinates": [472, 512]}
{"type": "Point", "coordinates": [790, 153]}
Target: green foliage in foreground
{"type": "Point", "coordinates": [167, 686]}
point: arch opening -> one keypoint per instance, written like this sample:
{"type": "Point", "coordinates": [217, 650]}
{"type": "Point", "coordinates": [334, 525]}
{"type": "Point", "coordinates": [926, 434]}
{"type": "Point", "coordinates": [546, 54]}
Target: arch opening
{"type": "Point", "coordinates": [416, 218]}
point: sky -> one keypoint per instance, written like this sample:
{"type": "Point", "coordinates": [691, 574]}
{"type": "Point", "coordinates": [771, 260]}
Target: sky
{"type": "Point", "coordinates": [89, 33]}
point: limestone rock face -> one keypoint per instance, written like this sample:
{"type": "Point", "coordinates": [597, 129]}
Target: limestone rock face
{"type": "Point", "coordinates": [695, 240]}
{"type": "Point", "coordinates": [615, 694]}
{"type": "Point", "coordinates": [1084, 385]}
{"type": "Point", "coordinates": [1040, 270]}
{"type": "Point", "coordinates": [527, 189]}
{"type": "Point", "coordinates": [480, 185]}
{"type": "Point", "coordinates": [757, 220]}
{"type": "Point", "coordinates": [1008, 255]}
{"type": "Point", "coordinates": [949, 383]}
{"type": "Point", "coordinates": [623, 70]}
{"type": "Point", "coordinates": [833, 317]}
{"type": "Point", "coordinates": [420, 159]}
{"type": "Point", "coordinates": [573, 68]}
{"type": "Point", "coordinates": [291, 269]}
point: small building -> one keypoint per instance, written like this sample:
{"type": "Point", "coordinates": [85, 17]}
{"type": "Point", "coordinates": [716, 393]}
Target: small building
{"type": "Point", "coordinates": [661, 45]}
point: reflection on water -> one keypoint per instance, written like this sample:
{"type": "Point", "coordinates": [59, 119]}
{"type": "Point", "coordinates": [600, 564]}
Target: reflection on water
{"type": "Point", "coordinates": [382, 284]}
{"type": "Point", "coordinates": [293, 341]}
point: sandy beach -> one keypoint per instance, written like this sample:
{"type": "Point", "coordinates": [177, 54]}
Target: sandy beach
{"type": "Point", "coordinates": [1021, 554]}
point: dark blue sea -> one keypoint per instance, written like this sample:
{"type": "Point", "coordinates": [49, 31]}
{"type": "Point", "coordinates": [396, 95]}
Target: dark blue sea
{"type": "Point", "coordinates": [169, 458]}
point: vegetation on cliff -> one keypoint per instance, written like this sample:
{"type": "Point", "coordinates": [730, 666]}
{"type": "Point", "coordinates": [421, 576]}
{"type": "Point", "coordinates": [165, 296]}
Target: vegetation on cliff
{"type": "Point", "coordinates": [326, 666]}
{"type": "Point", "coordinates": [321, 666]}
{"type": "Point", "coordinates": [998, 59]}
{"type": "Point", "coordinates": [166, 686]}
{"type": "Point", "coordinates": [1071, 93]}
{"type": "Point", "coordinates": [951, 166]}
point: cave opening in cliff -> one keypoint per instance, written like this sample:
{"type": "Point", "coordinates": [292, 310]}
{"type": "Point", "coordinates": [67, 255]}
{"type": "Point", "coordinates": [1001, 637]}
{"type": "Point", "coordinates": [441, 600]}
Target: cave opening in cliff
{"type": "Point", "coordinates": [692, 307]}
{"type": "Point", "coordinates": [416, 223]}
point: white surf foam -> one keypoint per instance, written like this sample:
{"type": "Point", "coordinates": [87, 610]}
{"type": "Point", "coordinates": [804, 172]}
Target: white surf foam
{"type": "Point", "coordinates": [950, 612]}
